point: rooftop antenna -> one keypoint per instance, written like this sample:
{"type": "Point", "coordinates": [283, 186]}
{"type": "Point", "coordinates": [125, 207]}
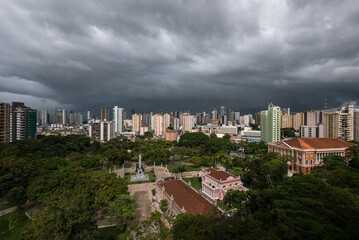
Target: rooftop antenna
{"type": "Point", "coordinates": [325, 101]}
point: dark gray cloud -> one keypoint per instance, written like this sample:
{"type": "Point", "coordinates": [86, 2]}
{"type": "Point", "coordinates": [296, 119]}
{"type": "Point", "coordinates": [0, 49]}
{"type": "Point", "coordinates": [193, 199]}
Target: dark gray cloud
{"type": "Point", "coordinates": [179, 55]}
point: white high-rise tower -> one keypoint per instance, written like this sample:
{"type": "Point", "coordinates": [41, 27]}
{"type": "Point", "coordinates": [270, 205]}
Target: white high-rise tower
{"type": "Point", "coordinates": [118, 119]}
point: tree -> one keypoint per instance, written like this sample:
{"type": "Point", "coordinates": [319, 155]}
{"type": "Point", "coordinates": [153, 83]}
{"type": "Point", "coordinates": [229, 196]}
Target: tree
{"type": "Point", "coordinates": [196, 161]}
{"type": "Point", "coordinates": [13, 222]}
{"type": "Point", "coordinates": [148, 134]}
{"type": "Point", "coordinates": [354, 156]}
{"type": "Point", "coordinates": [193, 139]}
{"type": "Point", "coordinates": [226, 137]}
{"type": "Point", "coordinates": [190, 226]}
{"type": "Point", "coordinates": [17, 196]}
{"type": "Point", "coordinates": [164, 205]}
{"type": "Point", "coordinates": [288, 132]}
{"type": "Point", "coordinates": [153, 228]}
{"type": "Point", "coordinates": [123, 208]}
{"type": "Point", "coordinates": [69, 215]}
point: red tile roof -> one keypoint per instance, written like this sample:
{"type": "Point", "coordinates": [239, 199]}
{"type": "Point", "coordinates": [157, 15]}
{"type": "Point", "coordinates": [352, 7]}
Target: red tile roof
{"type": "Point", "coordinates": [219, 175]}
{"type": "Point", "coordinates": [318, 143]}
{"type": "Point", "coordinates": [185, 196]}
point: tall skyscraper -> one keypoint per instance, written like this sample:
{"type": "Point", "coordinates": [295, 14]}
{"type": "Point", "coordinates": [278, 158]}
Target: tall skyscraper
{"type": "Point", "coordinates": [44, 117]}
{"type": "Point", "coordinates": [22, 122]}
{"type": "Point", "coordinates": [88, 115]}
{"type": "Point", "coordinates": [38, 118]}
{"type": "Point", "coordinates": [159, 125]}
{"type": "Point", "coordinates": [270, 124]}
{"type": "Point", "coordinates": [214, 114]}
{"type": "Point", "coordinates": [105, 114]}
{"type": "Point", "coordinates": [223, 111]}
{"type": "Point", "coordinates": [356, 126]}
{"type": "Point", "coordinates": [167, 119]}
{"type": "Point", "coordinates": [136, 122]}
{"type": "Point", "coordinates": [188, 121]}
{"type": "Point", "coordinates": [4, 122]}
{"type": "Point", "coordinates": [80, 118]}
{"type": "Point", "coordinates": [118, 117]}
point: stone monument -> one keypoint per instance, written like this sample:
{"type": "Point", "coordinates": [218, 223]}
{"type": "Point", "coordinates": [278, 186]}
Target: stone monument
{"type": "Point", "coordinates": [140, 175]}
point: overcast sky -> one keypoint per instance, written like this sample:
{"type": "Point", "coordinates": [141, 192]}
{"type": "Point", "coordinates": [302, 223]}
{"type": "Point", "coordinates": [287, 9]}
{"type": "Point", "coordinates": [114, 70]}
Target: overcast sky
{"type": "Point", "coordinates": [179, 55]}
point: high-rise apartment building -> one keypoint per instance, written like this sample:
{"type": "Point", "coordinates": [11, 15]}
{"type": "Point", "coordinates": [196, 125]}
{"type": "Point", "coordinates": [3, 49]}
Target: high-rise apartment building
{"type": "Point", "coordinates": [188, 121]}
{"type": "Point", "coordinates": [159, 125]}
{"type": "Point", "coordinates": [286, 121]}
{"type": "Point", "coordinates": [105, 114]}
{"type": "Point", "coordinates": [118, 117]}
{"type": "Point", "coordinates": [4, 122]}
{"type": "Point", "coordinates": [44, 117]}
{"type": "Point", "coordinates": [88, 115]}
{"type": "Point", "coordinates": [356, 126]}
{"type": "Point", "coordinates": [270, 124]}
{"type": "Point", "coordinates": [338, 125]}
{"type": "Point", "coordinates": [214, 115]}
{"type": "Point", "coordinates": [223, 110]}
{"type": "Point", "coordinates": [136, 122]}
{"type": "Point", "coordinates": [297, 120]}
{"type": "Point", "coordinates": [22, 122]}
{"type": "Point", "coordinates": [167, 119]}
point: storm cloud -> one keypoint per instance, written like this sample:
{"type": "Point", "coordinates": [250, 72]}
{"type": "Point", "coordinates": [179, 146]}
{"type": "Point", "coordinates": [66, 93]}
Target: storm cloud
{"type": "Point", "coordinates": [179, 55]}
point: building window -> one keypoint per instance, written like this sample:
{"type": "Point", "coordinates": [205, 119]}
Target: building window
{"type": "Point", "coordinates": [230, 185]}
{"type": "Point", "coordinates": [224, 186]}
{"type": "Point", "coordinates": [306, 162]}
{"type": "Point", "coordinates": [235, 184]}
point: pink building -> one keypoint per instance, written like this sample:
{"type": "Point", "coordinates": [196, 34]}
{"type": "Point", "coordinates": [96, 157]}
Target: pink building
{"type": "Point", "coordinates": [215, 184]}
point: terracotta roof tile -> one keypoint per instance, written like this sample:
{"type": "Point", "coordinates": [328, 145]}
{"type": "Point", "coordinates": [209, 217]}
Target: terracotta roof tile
{"type": "Point", "coordinates": [219, 175]}
{"type": "Point", "coordinates": [318, 143]}
{"type": "Point", "coordinates": [185, 196]}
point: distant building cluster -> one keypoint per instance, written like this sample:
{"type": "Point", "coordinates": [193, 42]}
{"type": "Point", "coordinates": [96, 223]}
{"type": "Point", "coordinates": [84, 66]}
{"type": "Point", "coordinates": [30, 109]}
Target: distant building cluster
{"type": "Point", "coordinates": [20, 122]}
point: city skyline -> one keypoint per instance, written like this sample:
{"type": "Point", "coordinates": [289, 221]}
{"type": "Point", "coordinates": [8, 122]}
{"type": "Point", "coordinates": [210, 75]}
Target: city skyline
{"type": "Point", "coordinates": [168, 55]}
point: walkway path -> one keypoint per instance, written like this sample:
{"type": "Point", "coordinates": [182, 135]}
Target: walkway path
{"type": "Point", "coordinates": [9, 210]}
{"type": "Point", "coordinates": [142, 193]}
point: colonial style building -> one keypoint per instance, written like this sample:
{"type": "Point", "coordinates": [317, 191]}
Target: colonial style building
{"type": "Point", "coordinates": [182, 198]}
{"type": "Point", "coordinates": [308, 153]}
{"type": "Point", "coordinates": [215, 184]}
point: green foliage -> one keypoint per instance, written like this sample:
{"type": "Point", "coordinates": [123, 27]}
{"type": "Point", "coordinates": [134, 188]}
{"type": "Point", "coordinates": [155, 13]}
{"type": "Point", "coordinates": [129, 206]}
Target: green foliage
{"type": "Point", "coordinates": [354, 156]}
{"type": "Point", "coordinates": [21, 220]}
{"type": "Point", "coordinates": [153, 228]}
{"type": "Point", "coordinates": [288, 132]}
{"type": "Point", "coordinates": [69, 215]}
{"type": "Point", "coordinates": [123, 207]}
{"type": "Point", "coordinates": [148, 134]}
{"type": "Point", "coordinates": [17, 196]}
{"type": "Point", "coordinates": [254, 127]}
{"type": "Point", "coordinates": [196, 161]}
{"type": "Point", "coordinates": [164, 205]}
{"type": "Point", "coordinates": [196, 182]}
{"type": "Point", "coordinates": [189, 226]}
{"type": "Point", "coordinates": [193, 139]}
{"type": "Point", "coordinates": [179, 168]}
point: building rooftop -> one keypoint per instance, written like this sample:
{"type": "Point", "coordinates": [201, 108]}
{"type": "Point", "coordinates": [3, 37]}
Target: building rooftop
{"type": "Point", "coordinates": [317, 143]}
{"type": "Point", "coordinates": [185, 196]}
{"type": "Point", "coordinates": [219, 175]}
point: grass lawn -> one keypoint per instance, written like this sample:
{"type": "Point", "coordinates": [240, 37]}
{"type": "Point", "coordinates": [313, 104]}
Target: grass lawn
{"type": "Point", "coordinates": [151, 176]}
{"type": "Point", "coordinates": [196, 182]}
{"type": "Point", "coordinates": [22, 220]}
{"type": "Point", "coordinates": [5, 205]}
{"type": "Point", "coordinates": [172, 167]}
